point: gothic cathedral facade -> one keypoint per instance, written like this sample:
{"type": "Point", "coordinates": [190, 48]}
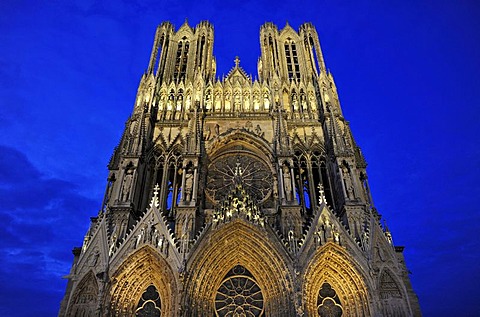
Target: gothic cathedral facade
{"type": "Point", "coordinates": [238, 196]}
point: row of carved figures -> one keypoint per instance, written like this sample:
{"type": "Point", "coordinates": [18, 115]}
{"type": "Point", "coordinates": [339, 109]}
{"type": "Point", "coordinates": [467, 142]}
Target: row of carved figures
{"type": "Point", "coordinates": [147, 235]}
{"type": "Point", "coordinates": [176, 106]}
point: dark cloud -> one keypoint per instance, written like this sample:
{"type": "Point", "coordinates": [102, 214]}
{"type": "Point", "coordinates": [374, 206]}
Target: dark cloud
{"type": "Point", "coordinates": [42, 219]}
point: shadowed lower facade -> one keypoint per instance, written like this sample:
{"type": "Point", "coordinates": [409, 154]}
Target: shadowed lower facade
{"type": "Point", "coordinates": [238, 196]}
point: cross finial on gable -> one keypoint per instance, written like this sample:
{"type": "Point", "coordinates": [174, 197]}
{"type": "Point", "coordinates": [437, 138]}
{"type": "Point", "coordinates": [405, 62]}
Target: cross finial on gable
{"type": "Point", "coordinates": [237, 61]}
{"type": "Point", "coordinates": [156, 189]}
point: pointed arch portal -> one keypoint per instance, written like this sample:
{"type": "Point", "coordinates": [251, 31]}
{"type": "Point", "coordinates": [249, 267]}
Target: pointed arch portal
{"type": "Point", "coordinates": [237, 268]}
{"type": "Point", "coordinates": [334, 286]}
{"type": "Point", "coordinates": [144, 285]}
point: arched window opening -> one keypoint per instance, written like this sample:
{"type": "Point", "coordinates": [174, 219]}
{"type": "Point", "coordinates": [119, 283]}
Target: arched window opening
{"type": "Point", "coordinates": [273, 52]}
{"type": "Point", "coordinates": [366, 189]}
{"type": "Point", "coordinates": [327, 186]}
{"type": "Point", "coordinates": [178, 60]}
{"type": "Point", "coordinates": [239, 295]}
{"type": "Point", "coordinates": [391, 296]}
{"type": "Point", "coordinates": [293, 67]}
{"type": "Point", "coordinates": [295, 61]}
{"type": "Point", "coordinates": [302, 185]}
{"type": "Point", "coordinates": [158, 56]}
{"type": "Point", "coordinates": [163, 57]}
{"type": "Point", "coordinates": [313, 53]}
{"type": "Point", "coordinates": [183, 70]}
{"type": "Point", "coordinates": [149, 304]}
{"type": "Point", "coordinates": [328, 302]}
{"type": "Point", "coordinates": [169, 195]}
{"type": "Point", "coordinates": [172, 183]}
{"type": "Point", "coordinates": [289, 61]}
{"type": "Point", "coordinates": [181, 60]}
{"type": "Point", "coordinates": [317, 178]}
{"type": "Point", "coordinates": [201, 54]}
{"type": "Point", "coordinates": [306, 197]}
{"type": "Point", "coordinates": [85, 301]}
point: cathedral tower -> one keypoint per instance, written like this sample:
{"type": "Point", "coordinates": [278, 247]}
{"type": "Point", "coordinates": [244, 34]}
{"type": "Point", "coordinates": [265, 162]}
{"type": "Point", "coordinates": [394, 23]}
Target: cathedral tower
{"type": "Point", "coordinates": [238, 197]}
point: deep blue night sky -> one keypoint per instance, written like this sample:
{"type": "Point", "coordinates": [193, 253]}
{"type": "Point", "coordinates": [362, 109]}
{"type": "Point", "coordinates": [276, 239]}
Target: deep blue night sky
{"type": "Point", "coordinates": [407, 74]}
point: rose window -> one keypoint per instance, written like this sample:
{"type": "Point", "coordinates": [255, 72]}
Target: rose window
{"type": "Point", "coordinates": [225, 173]}
{"type": "Point", "coordinates": [239, 295]}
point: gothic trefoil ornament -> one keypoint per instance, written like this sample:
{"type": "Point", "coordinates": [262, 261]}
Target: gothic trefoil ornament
{"type": "Point", "coordinates": [238, 196]}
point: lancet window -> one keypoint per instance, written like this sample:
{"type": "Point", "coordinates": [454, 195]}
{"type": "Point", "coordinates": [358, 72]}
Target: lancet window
{"type": "Point", "coordinates": [273, 51]}
{"type": "Point", "coordinates": [312, 53]}
{"type": "Point", "coordinates": [310, 172]}
{"type": "Point", "coordinates": [181, 60]}
{"type": "Point", "coordinates": [200, 53]}
{"type": "Point", "coordinates": [293, 68]}
{"type": "Point", "coordinates": [158, 56]}
{"type": "Point", "coordinates": [163, 57]}
{"type": "Point", "coordinates": [167, 174]}
{"type": "Point", "coordinates": [149, 304]}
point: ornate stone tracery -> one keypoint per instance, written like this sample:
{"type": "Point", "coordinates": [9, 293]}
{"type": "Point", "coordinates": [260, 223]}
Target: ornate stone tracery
{"type": "Point", "coordinates": [149, 304]}
{"type": "Point", "coordinates": [143, 268]}
{"type": "Point", "coordinates": [239, 243]}
{"type": "Point", "coordinates": [328, 303]}
{"type": "Point", "coordinates": [229, 171]}
{"type": "Point", "coordinates": [331, 264]}
{"type": "Point", "coordinates": [239, 295]}
{"type": "Point", "coordinates": [85, 297]}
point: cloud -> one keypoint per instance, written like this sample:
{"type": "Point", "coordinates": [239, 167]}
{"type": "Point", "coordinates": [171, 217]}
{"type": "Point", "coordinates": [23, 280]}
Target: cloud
{"type": "Point", "coordinates": [43, 218]}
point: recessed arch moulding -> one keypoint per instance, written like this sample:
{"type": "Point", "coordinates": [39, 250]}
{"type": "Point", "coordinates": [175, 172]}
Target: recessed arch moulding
{"type": "Point", "coordinates": [141, 269]}
{"type": "Point", "coordinates": [240, 243]}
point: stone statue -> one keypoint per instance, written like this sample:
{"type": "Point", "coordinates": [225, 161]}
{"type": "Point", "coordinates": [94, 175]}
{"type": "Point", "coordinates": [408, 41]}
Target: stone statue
{"type": "Point", "coordinates": [112, 245]}
{"type": "Point", "coordinates": [160, 242]}
{"type": "Point", "coordinates": [266, 101]}
{"type": "Point", "coordinates": [259, 132]}
{"type": "Point", "coordinates": [155, 237]}
{"type": "Point", "coordinates": [348, 182]}
{"type": "Point", "coordinates": [287, 183]}
{"type": "Point", "coordinates": [140, 238]}
{"type": "Point", "coordinates": [208, 100]}
{"type": "Point", "coordinates": [127, 183]}
{"type": "Point", "coordinates": [208, 134]}
{"type": "Point", "coordinates": [188, 184]}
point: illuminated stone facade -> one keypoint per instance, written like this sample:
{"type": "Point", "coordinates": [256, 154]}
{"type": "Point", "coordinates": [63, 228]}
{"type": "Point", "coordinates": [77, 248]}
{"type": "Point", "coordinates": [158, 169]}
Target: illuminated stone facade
{"type": "Point", "coordinates": [238, 197]}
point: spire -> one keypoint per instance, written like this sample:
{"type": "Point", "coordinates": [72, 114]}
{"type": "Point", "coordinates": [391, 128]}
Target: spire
{"type": "Point", "coordinates": [388, 234]}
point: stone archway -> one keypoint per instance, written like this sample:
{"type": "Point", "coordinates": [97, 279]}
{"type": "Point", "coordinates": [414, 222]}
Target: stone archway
{"type": "Point", "coordinates": [239, 243]}
{"type": "Point", "coordinates": [130, 281]}
{"type": "Point", "coordinates": [332, 267]}
{"type": "Point", "coordinates": [85, 298]}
